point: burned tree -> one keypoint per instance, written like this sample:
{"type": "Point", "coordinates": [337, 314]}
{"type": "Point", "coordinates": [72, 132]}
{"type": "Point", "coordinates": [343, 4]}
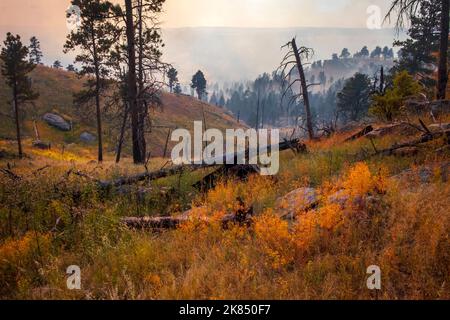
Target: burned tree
{"type": "Point", "coordinates": [140, 51]}
{"type": "Point", "coordinates": [293, 60]}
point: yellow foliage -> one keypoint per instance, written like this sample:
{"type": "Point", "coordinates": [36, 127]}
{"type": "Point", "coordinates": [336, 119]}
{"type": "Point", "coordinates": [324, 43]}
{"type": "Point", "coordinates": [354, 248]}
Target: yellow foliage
{"type": "Point", "coordinates": [59, 155]}
{"type": "Point", "coordinates": [275, 239]}
{"type": "Point", "coordinates": [360, 181]}
{"type": "Point", "coordinates": [330, 216]}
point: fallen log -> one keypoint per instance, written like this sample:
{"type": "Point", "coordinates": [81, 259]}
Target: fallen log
{"type": "Point", "coordinates": [423, 139]}
{"type": "Point", "coordinates": [240, 171]}
{"type": "Point", "coordinates": [171, 223]}
{"type": "Point", "coordinates": [360, 134]}
{"type": "Point", "coordinates": [242, 217]}
{"type": "Point", "coordinates": [163, 173]}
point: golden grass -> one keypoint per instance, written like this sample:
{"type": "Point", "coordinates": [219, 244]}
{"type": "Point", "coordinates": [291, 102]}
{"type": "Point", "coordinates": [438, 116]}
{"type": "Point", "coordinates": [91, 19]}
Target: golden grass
{"type": "Point", "coordinates": [381, 218]}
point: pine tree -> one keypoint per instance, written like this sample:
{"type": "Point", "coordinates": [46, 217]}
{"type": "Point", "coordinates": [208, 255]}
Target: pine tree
{"type": "Point", "coordinates": [177, 89]}
{"type": "Point", "coordinates": [57, 64]}
{"type": "Point", "coordinates": [345, 54]}
{"type": "Point", "coordinates": [172, 75]}
{"type": "Point", "coordinates": [15, 68]}
{"type": "Point", "coordinates": [140, 50]}
{"type": "Point", "coordinates": [199, 84]}
{"type": "Point", "coordinates": [353, 100]}
{"type": "Point", "coordinates": [416, 54]}
{"type": "Point", "coordinates": [35, 51]}
{"type": "Point", "coordinates": [71, 68]}
{"type": "Point", "coordinates": [408, 9]}
{"type": "Point", "coordinates": [94, 38]}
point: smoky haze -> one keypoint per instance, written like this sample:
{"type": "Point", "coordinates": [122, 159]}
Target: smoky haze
{"type": "Point", "coordinates": [229, 54]}
{"type": "Point", "coordinates": [239, 54]}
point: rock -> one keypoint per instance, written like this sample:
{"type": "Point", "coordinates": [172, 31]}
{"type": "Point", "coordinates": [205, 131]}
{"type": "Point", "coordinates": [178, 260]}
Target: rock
{"type": "Point", "coordinates": [87, 137]}
{"type": "Point", "coordinates": [296, 202]}
{"type": "Point", "coordinates": [42, 145]}
{"type": "Point", "coordinates": [56, 121]}
{"type": "Point", "coordinates": [439, 127]}
{"type": "Point", "coordinates": [341, 197]}
{"type": "Point", "coordinates": [406, 152]}
{"type": "Point", "coordinates": [425, 175]}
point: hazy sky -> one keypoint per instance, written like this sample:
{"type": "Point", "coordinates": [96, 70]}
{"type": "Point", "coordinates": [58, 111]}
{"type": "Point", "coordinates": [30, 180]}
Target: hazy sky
{"type": "Point", "coordinates": [194, 13]}
{"type": "Point", "coordinates": [46, 19]}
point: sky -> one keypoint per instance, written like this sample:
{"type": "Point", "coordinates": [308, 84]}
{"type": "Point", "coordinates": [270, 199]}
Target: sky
{"type": "Point", "coordinates": [197, 13]}
{"type": "Point", "coordinates": [46, 19]}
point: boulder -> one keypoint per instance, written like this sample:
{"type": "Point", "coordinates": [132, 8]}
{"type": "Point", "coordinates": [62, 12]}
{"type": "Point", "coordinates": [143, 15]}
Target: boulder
{"type": "Point", "coordinates": [87, 137]}
{"type": "Point", "coordinates": [295, 202]}
{"type": "Point", "coordinates": [56, 121]}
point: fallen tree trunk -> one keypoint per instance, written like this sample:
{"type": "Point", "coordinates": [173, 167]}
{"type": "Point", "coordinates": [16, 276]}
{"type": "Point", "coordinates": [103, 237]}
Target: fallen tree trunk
{"type": "Point", "coordinates": [360, 134]}
{"type": "Point", "coordinates": [241, 217]}
{"type": "Point", "coordinates": [155, 175]}
{"type": "Point", "coordinates": [170, 223]}
{"type": "Point", "coordinates": [423, 139]}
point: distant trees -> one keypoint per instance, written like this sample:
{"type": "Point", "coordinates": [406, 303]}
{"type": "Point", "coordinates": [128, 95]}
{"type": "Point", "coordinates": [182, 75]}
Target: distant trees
{"type": "Point", "coordinates": [94, 38]}
{"type": "Point", "coordinates": [15, 68]}
{"type": "Point", "coordinates": [345, 54]}
{"type": "Point", "coordinates": [35, 51]}
{"type": "Point", "coordinates": [199, 84]}
{"type": "Point", "coordinates": [57, 64]}
{"type": "Point", "coordinates": [376, 53]}
{"type": "Point", "coordinates": [172, 76]}
{"type": "Point", "coordinates": [354, 99]}
{"type": "Point", "coordinates": [364, 53]}
{"type": "Point", "coordinates": [387, 53]}
{"type": "Point", "coordinates": [322, 78]}
{"type": "Point", "coordinates": [387, 106]}
{"type": "Point", "coordinates": [71, 68]}
{"type": "Point", "coordinates": [177, 89]}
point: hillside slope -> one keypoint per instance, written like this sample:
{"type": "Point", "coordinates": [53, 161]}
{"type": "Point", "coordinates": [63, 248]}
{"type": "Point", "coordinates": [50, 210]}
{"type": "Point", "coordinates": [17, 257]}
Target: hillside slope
{"type": "Point", "coordinates": [56, 88]}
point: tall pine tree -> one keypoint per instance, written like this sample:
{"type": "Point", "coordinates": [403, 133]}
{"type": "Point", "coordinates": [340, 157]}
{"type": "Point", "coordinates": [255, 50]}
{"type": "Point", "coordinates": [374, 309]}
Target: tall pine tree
{"type": "Point", "coordinates": [35, 51]}
{"type": "Point", "coordinates": [416, 54]}
{"type": "Point", "coordinates": [15, 68]}
{"type": "Point", "coordinates": [94, 38]}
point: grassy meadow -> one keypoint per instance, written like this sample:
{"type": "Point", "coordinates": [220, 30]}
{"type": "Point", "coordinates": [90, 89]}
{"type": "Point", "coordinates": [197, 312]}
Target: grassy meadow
{"type": "Point", "coordinates": [390, 217]}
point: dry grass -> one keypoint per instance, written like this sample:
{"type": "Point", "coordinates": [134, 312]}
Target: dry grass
{"type": "Point", "coordinates": [49, 221]}
{"type": "Point", "coordinates": [56, 89]}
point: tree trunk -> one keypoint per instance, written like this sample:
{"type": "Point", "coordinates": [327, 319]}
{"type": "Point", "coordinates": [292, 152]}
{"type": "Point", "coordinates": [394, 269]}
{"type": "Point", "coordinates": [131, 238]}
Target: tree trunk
{"type": "Point", "coordinates": [122, 133]}
{"type": "Point", "coordinates": [257, 112]}
{"type": "Point", "coordinates": [141, 102]}
{"type": "Point", "coordinates": [304, 88]}
{"type": "Point", "coordinates": [138, 157]}
{"type": "Point", "coordinates": [443, 51]}
{"type": "Point", "coordinates": [16, 112]}
{"type": "Point", "coordinates": [97, 97]}
{"type": "Point", "coordinates": [382, 80]}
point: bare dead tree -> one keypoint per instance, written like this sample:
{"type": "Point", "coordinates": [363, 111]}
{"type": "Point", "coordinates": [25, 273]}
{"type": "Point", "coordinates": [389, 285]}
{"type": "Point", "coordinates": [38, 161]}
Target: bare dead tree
{"type": "Point", "coordinates": [293, 61]}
